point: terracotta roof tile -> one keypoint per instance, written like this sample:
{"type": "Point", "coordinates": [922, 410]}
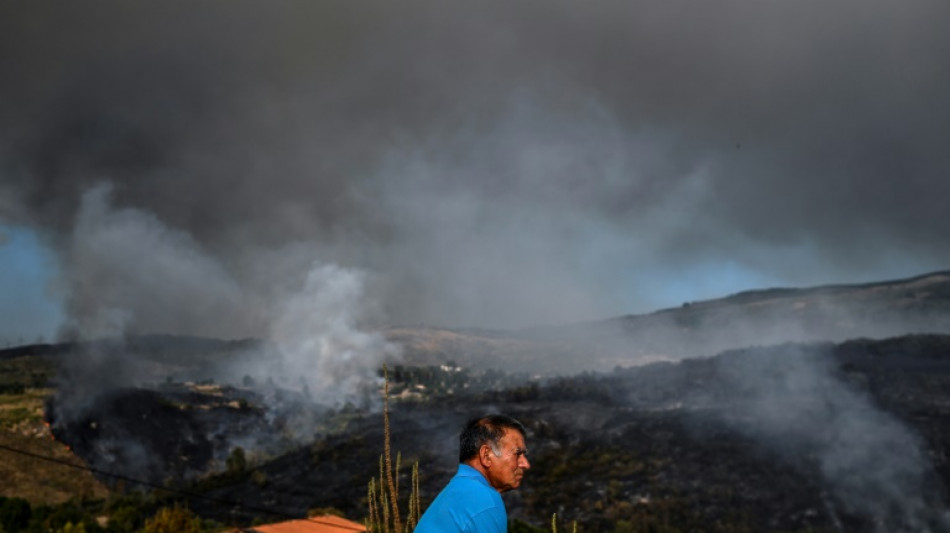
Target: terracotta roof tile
{"type": "Point", "coordinates": [316, 524]}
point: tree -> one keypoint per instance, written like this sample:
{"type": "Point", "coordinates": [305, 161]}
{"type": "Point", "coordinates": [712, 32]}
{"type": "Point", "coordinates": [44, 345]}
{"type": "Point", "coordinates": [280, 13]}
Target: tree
{"type": "Point", "coordinates": [175, 519]}
{"type": "Point", "coordinates": [237, 461]}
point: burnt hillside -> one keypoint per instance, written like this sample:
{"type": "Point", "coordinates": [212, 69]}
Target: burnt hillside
{"type": "Point", "coordinates": [729, 428]}
{"type": "Point", "coordinates": [838, 437]}
{"type": "Point", "coordinates": [848, 436]}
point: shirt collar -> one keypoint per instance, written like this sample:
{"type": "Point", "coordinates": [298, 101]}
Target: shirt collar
{"type": "Point", "coordinates": [467, 471]}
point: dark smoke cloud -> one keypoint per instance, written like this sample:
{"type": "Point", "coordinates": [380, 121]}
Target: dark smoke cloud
{"type": "Point", "coordinates": [493, 164]}
{"type": "Point", "coordinates": [299, 170]}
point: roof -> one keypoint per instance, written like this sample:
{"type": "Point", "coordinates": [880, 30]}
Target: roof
{"type": "Point", "coordinates": [315, 524]}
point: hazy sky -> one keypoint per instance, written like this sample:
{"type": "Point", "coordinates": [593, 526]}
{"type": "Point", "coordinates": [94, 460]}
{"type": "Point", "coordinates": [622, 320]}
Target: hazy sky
{"type": "Point", "coordinates": [182, 166]}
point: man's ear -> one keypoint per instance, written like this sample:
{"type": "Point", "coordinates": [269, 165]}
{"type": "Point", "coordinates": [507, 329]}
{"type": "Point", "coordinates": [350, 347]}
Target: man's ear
{"type": "Point", "coordinates": [485, 455]}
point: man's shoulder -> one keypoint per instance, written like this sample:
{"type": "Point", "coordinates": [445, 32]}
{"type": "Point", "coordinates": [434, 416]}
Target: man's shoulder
{"type": "Point", "coordinates": [467, 503]}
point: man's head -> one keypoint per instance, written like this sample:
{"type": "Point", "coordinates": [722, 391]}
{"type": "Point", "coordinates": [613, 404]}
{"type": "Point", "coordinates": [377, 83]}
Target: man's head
{"type": "Point", "coordinates": [494, 445]}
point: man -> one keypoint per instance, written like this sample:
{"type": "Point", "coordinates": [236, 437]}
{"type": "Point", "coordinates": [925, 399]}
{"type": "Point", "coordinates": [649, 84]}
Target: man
{"type": "Point", "coordinates": [492, 460]}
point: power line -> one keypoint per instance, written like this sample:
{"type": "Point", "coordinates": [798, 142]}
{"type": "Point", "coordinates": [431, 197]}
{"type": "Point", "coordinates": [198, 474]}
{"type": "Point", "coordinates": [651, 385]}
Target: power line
{"type": "Point", "coordinates": [161, 487]}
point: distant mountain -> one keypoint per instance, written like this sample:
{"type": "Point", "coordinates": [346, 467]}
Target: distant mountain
{"type": "Point", "coordinates": [834, 313]}
{"type": "Point", "coordinates": [762, 317]}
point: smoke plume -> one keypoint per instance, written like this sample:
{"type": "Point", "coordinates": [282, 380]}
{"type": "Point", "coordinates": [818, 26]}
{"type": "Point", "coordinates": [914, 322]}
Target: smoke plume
{"type": "Point", "coordinates": [792, 400]}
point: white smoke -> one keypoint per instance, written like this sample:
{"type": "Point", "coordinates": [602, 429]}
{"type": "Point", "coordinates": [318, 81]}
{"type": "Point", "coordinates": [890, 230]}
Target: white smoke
{"type": "Point", "coordinates": [129, 273]}
{"type": "Point", "coordinates": [793, 401]}
{"type": "Point", "coordinates": [126, 267]}
{"type": "Point", "coordinates": [318, 333]}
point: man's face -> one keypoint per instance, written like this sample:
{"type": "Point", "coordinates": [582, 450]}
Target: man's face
{"type": "Point", "coordinates": [507, 468]}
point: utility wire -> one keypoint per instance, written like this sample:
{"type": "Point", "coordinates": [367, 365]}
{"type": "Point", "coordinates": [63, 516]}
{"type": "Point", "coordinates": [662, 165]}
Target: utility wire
{"type": "Point", "coordinates": [161, 487]}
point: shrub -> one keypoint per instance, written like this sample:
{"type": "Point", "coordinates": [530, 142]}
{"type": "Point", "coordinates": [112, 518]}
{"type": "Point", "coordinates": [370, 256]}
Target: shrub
{"type": "Point", "coordinates": [173, 520]}
{"type": "Point", "coordinates": [125, 518]}
{"type": "Point", "coordinates": [14, 515]}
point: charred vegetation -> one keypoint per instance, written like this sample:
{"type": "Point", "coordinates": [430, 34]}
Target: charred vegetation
{"type": "Point", "coordinates": [750, 439]}
{"type": "Point", "coordinates": [829, 434]}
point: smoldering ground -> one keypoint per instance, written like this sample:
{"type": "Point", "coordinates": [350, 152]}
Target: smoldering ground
{"type": "Point", "coordinates": [795, 401]}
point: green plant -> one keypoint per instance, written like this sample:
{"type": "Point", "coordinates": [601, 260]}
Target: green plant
{"type": "Point", "coordinates": [74, 528]}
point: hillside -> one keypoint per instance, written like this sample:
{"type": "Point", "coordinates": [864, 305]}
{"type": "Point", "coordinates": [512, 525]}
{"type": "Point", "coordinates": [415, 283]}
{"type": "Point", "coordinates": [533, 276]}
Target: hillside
{"type": "Point", "coordinates": [835, 313]}
{"type": "Point", "coordinates": [845, 437]}
{"type": "Point", "coordinates": [839, 437]}
{"type": "Point", "coordinates": [26, 438]}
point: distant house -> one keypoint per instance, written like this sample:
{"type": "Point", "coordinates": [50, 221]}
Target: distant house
{"type": "Point", "coordinates": [314, 524]}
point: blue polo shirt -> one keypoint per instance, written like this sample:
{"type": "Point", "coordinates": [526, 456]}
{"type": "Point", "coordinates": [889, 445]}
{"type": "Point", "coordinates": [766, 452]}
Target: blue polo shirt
{"type": "Point", "coordinates": [468, 504]}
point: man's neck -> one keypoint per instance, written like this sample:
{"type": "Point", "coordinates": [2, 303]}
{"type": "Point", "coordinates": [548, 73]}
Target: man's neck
{"type": "Point", "coordinates": [478, 467]}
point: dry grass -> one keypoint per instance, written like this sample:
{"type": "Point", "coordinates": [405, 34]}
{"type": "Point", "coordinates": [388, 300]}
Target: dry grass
{"type": "Point", "coordinates": [25, 441]}
{"type": "Point", "coordinates": [23, 412]}
{"type": "Point", "coordinates": [383, 496]}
